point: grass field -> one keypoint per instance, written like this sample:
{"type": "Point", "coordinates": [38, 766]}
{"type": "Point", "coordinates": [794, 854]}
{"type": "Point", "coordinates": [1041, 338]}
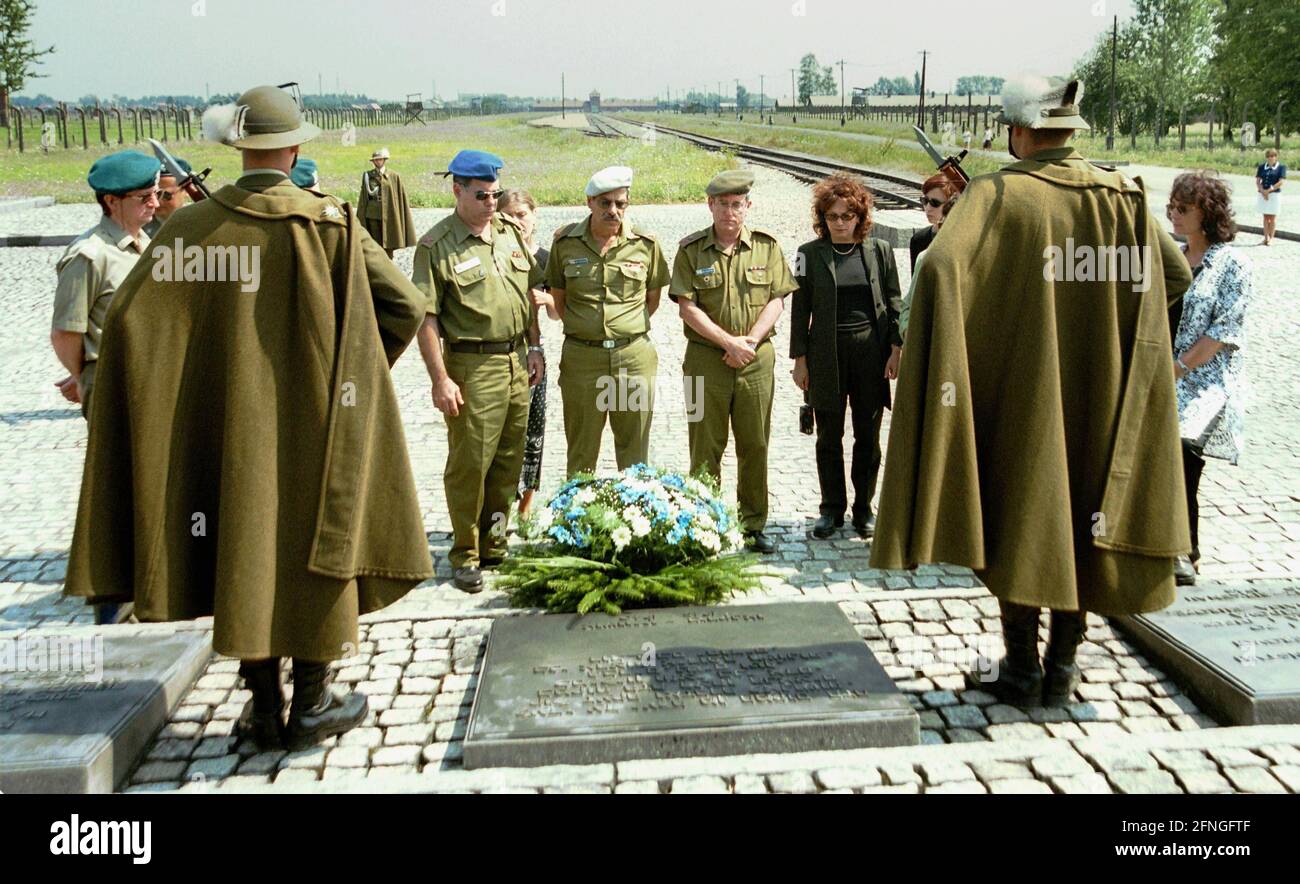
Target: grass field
{"type": "Point", "coordinates": [553, 164]}
{"type": "Point", "coordinates": [1228, 159]}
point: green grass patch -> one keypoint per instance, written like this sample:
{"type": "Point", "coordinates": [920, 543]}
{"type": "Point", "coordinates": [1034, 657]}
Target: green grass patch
{"type": "Point", "coordinates": [553, 164]}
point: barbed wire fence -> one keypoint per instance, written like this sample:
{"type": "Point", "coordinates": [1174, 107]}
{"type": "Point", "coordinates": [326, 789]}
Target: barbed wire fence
{"type": "Point", "coordinates": [70, 127]}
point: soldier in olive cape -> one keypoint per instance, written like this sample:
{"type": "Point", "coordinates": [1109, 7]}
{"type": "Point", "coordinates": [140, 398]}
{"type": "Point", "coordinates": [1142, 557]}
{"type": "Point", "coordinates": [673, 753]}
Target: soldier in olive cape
{"type": "Point", "coordinates": [605, 277]}
{"type": "Point", "coordinates": [1034, 435]}
{"type": "Point", "coordinates": [729, 283]}
{"type": "Point", "coordinates": [246, 457]}
{"type": "Point", "coordinates": [383, 208]}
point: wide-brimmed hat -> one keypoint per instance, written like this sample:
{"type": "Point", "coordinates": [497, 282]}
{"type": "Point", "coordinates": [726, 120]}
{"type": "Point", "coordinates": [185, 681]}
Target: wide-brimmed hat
{"type": "Point", "coordinates": [264, 118]}
{"type": "Point", "coordinates": [381, 154]}
{"type": "Point", "coordinates": [1035, 103]}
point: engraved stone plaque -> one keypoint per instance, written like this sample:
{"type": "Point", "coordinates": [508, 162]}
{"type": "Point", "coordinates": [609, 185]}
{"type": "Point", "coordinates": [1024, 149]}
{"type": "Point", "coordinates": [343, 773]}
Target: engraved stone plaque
{"type": "Point", "coordinates": [78, 708]}
{"type": "Point", "coordinates": [1236, 649]}
{"type": "Point", "coordinates": [675, 682]}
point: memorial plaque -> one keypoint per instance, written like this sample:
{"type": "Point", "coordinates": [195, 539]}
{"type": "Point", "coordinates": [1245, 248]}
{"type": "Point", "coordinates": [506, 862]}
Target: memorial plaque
{"type": "Point", "coordinates": [78, 709]}
{"type": "Point", "coordinates": [1235, 649]}
{"type": "Point", "coordinates": [676, 682]}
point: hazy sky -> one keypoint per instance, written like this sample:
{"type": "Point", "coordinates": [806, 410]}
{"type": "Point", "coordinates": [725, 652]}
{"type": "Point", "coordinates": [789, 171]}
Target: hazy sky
{"type": "Point", "coordinates": [624, 48]}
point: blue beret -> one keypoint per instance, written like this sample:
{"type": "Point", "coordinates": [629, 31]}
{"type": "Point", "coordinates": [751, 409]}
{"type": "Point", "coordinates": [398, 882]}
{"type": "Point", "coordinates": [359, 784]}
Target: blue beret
{"type": "Point", "coordinates": [477, 164]}
{"type": "Point", "coordinates": [123, 172]}
{"type": "Point", "coordinates": [304, 173]}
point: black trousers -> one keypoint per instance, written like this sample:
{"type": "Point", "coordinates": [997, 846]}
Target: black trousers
{"type": "Point", "coordinates": [1193, 464]}
{"type": "Point", "coordinates": [861, 370]}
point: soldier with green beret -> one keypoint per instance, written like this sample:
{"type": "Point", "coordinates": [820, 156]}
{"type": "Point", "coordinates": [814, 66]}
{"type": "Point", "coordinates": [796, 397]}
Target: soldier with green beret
{"type": "Point", "coordinates": [476, 271]}
{"type": "Point", "coordinates": [171, 196]}
{"type": "Point", "coordinates": [383, 206]}
{"type": "Point", "coordinates": [246, 457]}
{"type": "Point", "coordinates": [605, 277]}
{"type": "Point", "coordinates": [729, 283]}
{"type": "Point", "coordinates": [90, 271]}
{"type": "Point", "coordinates": [306, 175]}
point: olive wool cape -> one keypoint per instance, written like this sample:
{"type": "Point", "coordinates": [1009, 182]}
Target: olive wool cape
{"type": "Point", "coordinates": [398, 221]}
{"type": "Point", "coordinates": [248, 459]}
{"type": "Point", "coordinates": [1034, 435]}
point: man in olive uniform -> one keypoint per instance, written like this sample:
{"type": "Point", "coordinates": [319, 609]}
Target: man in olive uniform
{"type": "Point", "coordinates": [476, 270]}
{"type": "Point", "coordinates": [729, 282]}
{"type": "Point", "coordinates": [1046, 457]}
{"type": "Point", "coordinates": [246, 457]}
{"type": "Point", "coordinates": [383, 207]}
{"type": "Point", "coordinates": [90, 271]}
{"type": "Point", "coordinates": [605, 277]}
{"type": "Point", "coordinates": [171, 196]}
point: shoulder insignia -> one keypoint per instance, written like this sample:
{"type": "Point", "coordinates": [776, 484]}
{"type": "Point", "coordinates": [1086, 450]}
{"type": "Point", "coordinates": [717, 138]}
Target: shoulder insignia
{"type": "Point", "coordinates": [758, 231]}
{"type": "Point", "coordinates": [693, 237]}
{"type": "Point", "coordinates": [437, 232]}
{"type": "Point", "coordinates": [509, 219]}
{"type": "Point", "coordinates": [645, 234]}
{"type": "Point", "coordinates": [331, 211]}
{"type": "Point", "coordinates": [564, 230]}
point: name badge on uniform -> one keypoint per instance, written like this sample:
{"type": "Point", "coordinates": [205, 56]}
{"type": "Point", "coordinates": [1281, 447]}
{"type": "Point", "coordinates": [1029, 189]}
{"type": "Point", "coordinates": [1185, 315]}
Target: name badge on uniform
{"type": "Point", "coordinates": [466, 265]}
{"type": "Point", "coordinates": [578, 261]}
{"type": "Point", "coordinates": [704, 271]}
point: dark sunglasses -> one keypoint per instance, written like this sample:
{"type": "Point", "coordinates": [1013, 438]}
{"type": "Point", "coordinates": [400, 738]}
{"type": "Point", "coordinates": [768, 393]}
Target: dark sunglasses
{"type": "Point", "coordinates": [167, 196]}
{"type": "Point", "coordinates": [483, 195]}
{"type": "Point", "coordinates": [932, 202]}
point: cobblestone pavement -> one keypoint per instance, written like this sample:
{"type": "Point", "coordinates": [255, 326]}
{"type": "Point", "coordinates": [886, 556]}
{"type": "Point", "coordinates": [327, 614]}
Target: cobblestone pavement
{"type": "Point", "coordinates": [1130, 730]}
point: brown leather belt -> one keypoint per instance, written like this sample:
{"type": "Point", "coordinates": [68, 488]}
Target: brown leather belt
{"type": "Point", "coordinates": [486, 346]}
{"type": "Point", "coordinates": [607, 344]}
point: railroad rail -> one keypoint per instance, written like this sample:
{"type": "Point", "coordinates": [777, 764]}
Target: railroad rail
{"type": "Point", "coordinates": [890, 191]}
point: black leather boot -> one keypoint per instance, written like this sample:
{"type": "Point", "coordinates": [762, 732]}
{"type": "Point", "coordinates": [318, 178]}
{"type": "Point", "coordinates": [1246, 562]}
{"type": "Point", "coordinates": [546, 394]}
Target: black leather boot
{"type": "Point", "coordinates": [317, 711]}
{"type": "Point", "coordinates": [826, 524]}
{"type": "Point", "coordinates": [262, 720]}
{"type": "Point", "coordinates": [1061, 675]}
{"type": "Point", "coordinates": [1019, 680]}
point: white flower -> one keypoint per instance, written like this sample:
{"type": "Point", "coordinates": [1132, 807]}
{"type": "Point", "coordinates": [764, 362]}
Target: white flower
{"type": "Point", "coordinates": [585, 496]}
{"type": "Point", "coordinates": [734, 538]}
{"type": "Point", "coordinates": [622, 536]}
{"type": "Point", "coordinates": [640, 525]}
{"type": "Point", "coordinates": [710, 540]}
{"type": "Point", "coordinates": [545, 518]}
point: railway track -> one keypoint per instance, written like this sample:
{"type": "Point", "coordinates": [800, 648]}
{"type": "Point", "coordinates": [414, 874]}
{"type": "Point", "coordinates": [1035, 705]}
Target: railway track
{"type": "Point", "coordinates": [890, 191]}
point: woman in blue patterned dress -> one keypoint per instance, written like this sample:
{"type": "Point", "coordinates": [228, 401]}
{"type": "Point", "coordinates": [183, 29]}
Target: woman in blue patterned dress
{"type": "Point", "coordinates": [1210, 337]}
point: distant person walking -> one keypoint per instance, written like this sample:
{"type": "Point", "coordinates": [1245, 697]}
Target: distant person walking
{"type": "Point", "coordinates": [1268, 181]}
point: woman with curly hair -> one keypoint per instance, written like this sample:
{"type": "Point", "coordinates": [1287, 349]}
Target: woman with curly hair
{"type": "Point", "coordinates": [1210, 337]}
{"type": "Point", "coordinates": [845, 343]}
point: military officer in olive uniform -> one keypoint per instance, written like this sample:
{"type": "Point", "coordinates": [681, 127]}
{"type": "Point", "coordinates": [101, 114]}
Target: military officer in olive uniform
{"type": "Point", "coordinates": [90, 271]}
{"type": "Point", "coordinates": [171, 196]}
{"type": "Point", "coordinates": [476, 271]}
{"type": "Point", "coordinates": [729, 282]}
{"type": "Point", "coordinates": [94, 265]}
{"type": "Point", "coordinates": [605, 278]}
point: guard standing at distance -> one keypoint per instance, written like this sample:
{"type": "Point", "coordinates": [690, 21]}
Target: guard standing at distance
{"type": "Point", "coordinates": [383, 207]}
{"type": "Point", "coordinates": [729, 282]}
{"type": "Point", "coordinates": [476, 271]}
{"type": "Point", "coordinates": [605, 278]}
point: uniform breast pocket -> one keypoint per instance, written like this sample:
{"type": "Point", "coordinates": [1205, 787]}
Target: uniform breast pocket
{"type": "Point", "coordinates": [629, 281]}
{"type": "Point", "coordinates": [582, 279]}
{"type": "Point", "coordinates": [520, 262]}
{"type": "Point", "coordinates": [758, 285]}
{"type": "Point", "coordinates": [470, 280]}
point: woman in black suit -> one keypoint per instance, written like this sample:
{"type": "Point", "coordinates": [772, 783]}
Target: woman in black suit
{"type": "Point", "coordinates": [845, 343]}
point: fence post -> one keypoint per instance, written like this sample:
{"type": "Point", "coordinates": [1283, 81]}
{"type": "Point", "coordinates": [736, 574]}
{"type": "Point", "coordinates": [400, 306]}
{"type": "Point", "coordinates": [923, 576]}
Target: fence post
{"type": "Point", "coordinates": [1277, 128]}
{"type": "Point", "coordinates": [1210, 140]}
{"type": "Point", "coordinates": [1133, 128]}
{"type": "Point", "coordinates": [1182, 128]}
{"type": "Point", "coordinates": [21, 145]}
{"type": "Point", "coordinates": [63, 120]}
{"type": "Point", "coordinates": [85, 141]}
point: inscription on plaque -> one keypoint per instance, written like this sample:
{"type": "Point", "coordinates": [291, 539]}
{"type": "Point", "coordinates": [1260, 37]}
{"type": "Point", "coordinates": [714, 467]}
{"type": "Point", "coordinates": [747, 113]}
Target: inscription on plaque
{"type": "Point", "coordinates": [1236, 649]}
{"type": "Point", "coordinates": [684, 681]}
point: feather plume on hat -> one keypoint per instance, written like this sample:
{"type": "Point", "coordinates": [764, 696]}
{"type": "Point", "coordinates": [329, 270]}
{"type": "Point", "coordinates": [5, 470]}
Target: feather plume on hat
{"type": "Point", "coordinates": [1033, 102]}
{"type": "Point", "coordinates": [224, 123]}
{"type": "Point", "coordinates": [1022, 100]}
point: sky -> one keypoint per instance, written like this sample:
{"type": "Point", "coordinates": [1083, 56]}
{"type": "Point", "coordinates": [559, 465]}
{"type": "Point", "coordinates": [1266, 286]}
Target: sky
{"type": "Point", "coordinates": [623, 48]}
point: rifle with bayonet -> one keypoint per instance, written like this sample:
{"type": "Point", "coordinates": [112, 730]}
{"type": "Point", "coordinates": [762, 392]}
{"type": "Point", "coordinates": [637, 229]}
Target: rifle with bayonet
{"type": "Point", "coordinates": [190, 182]}
{"type": "Point", "coordinates": [949, 166]}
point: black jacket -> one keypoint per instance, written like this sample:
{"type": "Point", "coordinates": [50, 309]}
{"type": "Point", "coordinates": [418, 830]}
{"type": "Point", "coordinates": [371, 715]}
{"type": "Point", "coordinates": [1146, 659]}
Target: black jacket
{"type": "Point", "coordinates": [813, 315]}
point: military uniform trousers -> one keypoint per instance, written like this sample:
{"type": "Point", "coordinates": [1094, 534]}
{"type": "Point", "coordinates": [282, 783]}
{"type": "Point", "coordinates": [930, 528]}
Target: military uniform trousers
{"type": "Point", "coordinates": [861, 370]}
{"type": "Point", "coordinates": [87, 387]}
{"type": "Point", "coordinates": [485, 444]}
{"type": "Point", "coordinates": [742, 400]}
{"type": "Point", "coordinates": [616, 384]}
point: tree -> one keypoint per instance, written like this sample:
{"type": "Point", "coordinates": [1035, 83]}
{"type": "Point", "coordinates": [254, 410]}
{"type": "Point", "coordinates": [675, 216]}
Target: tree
{"type": "Point", "coordinates": [1254, 61]}
{"type": "Point", "coordinates": [979, 85]}
{"type": "Point", "coordinates": [742, 98]}
{"type": "Point", "coordinates": [18, 55]}
{"type": "Point", "coordinates": [1174, 44]}
{"type": "Point", "coordinates": [815, 79]}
